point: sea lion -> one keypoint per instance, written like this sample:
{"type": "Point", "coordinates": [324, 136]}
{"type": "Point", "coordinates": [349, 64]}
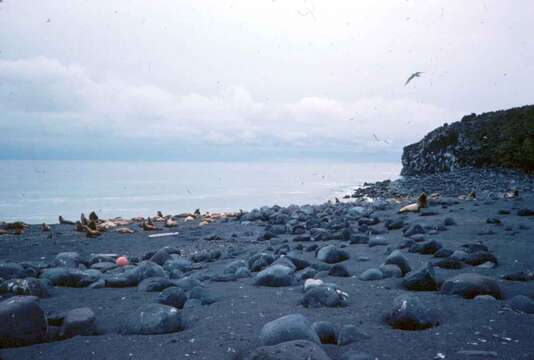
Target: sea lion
{"type": "Point", "coordinates": [422, 200]}
{"type": "Point", "coordinates": [149, 221]}
{"type": "Point", "coordinates": [92, 225]}
{"type": "Point", "coordinates": [79, 227]}
{"type": "Point", "coordinates": [46, 227]}
{"type": "Point", "coordinates": [125, 230]}
{"type": "Point", "coordinates": [148, 226]}
{"type": "Point", "coordinates": [62, 221]}
{"type": "Point", "coordinates": [170, 223]}
{"type": "Point", "coordinates": [197, 212]}
{"type": "Point", "coordinates": [160, 214]}
{"type": "Point", "coordinates": [93, 216]}
{"type": "Point", "coordinates": [3, 232]}
{"type": "Point", "coordinates": [472, 195]}
{"type": "Point", "coordinates": [106, 225]}
{"type": "Point", "coordinates": [90, 232]}
{"type": "Point", "coordinates": [83, 219]}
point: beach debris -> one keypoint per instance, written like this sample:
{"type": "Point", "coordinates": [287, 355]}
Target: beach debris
{"type": "Point", "coordinates": [122, 261]}
{"type": "Point", "coordinates": [163, 235]}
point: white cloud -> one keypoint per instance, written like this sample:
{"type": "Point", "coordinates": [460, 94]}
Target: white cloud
{"type": "Point", "coordinates": [55, 99]}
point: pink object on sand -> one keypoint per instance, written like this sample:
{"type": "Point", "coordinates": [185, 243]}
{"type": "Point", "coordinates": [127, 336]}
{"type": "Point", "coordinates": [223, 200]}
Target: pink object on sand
{"type": "Point", "coordinates": [122, 261]}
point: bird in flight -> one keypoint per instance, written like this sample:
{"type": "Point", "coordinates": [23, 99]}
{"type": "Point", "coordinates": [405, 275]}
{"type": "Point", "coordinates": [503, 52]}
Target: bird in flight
{"type": "Point", "coordinates": [413, 76]}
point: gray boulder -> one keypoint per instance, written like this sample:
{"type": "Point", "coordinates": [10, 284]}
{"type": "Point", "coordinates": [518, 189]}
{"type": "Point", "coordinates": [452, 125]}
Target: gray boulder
{"type": "Point", "coordinates": [291, 350]}
{"type": "Point", "coordinates": [331, 255]}
{"type": "Point", "coordinates": [470, 285]}
{"type": "Point", "coordinates": [152, 319]}
{"type": "Point", "coordinates": [80, 321]}
{"type": "Point", "coordinates": [275, 276]}
{"type": "Point", "coordinates": [288, 328]}
{"type": "Point", "coordinates": [23, 322]}
{"type": "Point", "coordinates": [409, 313]}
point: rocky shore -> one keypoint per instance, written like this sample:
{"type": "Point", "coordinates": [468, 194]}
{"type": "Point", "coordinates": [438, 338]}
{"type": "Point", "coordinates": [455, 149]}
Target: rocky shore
{"type": "Point", "coordinates": [353, 279]}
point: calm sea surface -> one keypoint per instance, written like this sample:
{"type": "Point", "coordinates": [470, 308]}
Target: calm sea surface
{"type": "Point", "coordinates": [38, 191]}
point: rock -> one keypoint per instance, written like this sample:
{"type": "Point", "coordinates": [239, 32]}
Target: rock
{"type": "Point", "coordinates": [23, 322]}
{"type": "Point", "coordinates": [182, 265]}
{"type": "Point", "coordinates": [202, 294]}
{"type": "Point", "coordinates": [187, 283]}
{"type": "Point", "coordinates": [11, 270]}
{"type": "Point", "coordinates": [409, 313]}
{"type": "Point", "coordinates": [291, 350]}
{"type": "Point", "coordinates": [423, 279]}
{"type": "Point", "coordinates": [526, 275]}
{"type": "Point", "coordinates": [356, 355]}
{"type": "Point", "coordinates": [70, 277]}
{"type": "Point", "coordinates": [377, 241]}
{"type": "Point", "coordinates": [326, 332]}
{"type": "Point", "coordinates": [331, 255]}
{"type": "Point", "coordinates": [448, 221]}
{"type": "Point", "coordinates": [426, 247]}
{"type": "Point", "coordinates": [413, 230]}
{"type": "Point", "coordinates": [397, 258]}
{"type": "Point", "coordinates": [371, 275]}
{"type": "Point", "coordinates": [470, 285]}
{"type": "Point", "coordinates": [173, 296]}
{"type": "Point", "coordinates": [155, 284]}
{"type": "Point", "coordinates": [478, 354]}
{"type": "Point", "coordinates": [449, 264]}
{"type": "Point", "coordinates": [259, 262]}
{"type": "Point", "coordinates": [479, 258]}
{"type": "Point", "coordinates": [80, 321]}
{"type": "Point", "coordinates": [443, 253]}
{"type": "Point", "coordinates": [498, 139]}
{"type": "Point", "coordinates": [152, 319]}
{"type": "Point", "coordinates": [459, 255]}
{"type": "Point", "coordinates": [522, 303]}
{"type": "Point", "coordinates": [324, 296]}
{"type": "Point", "coordinates": [275, 276]}
{"type": "Point", "coordinates": [359, 239]}
{"type": "Point", "coordinates": [67, 259]}
{"type": "Point", "coordinates": [350, 333]}
{"type": "Point", "coordinates": [339, 270]}
{"type": "Point", "coordinates": [28, 287]}
{"type": "Point", "coordinates": [288, 328]}
{"type": "Point", "coordinates": [161, 257]}
{"type": "Point", "coordinates": [232, 267]}
{"type": "Point", "coordinates": [390, 271]}
{"type": "Point", "coordinates": [525, 212]}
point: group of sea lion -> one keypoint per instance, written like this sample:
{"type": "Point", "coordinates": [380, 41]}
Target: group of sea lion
{"type": "Point", "coordinates": [94, 226]}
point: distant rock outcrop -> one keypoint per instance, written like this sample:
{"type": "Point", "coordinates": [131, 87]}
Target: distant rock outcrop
{"type": "Point", "coordinates": [495, 139]}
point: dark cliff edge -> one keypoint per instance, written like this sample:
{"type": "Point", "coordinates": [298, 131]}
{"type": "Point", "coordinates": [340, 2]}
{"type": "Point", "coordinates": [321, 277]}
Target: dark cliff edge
{"type": "Point", "coordinates": [500, 139]}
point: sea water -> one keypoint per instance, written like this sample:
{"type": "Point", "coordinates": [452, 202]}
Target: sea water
{"type": "Point", "coordinates": [39, 191]}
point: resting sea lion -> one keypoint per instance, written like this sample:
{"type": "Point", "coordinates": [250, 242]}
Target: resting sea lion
{"type": "Point", "coordinates": [90, 232]}
{"type": "Point", "coordinates": [83, 219]}
{"type": "Point", "coordinates": [45, 227]}
{"type": "Point", "coordinates": [93, 216]}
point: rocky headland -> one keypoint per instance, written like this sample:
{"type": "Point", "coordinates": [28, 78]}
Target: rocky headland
{"type": "Point", "coordinates": [435, 265]}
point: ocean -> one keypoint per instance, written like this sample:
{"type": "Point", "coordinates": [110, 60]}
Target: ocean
{"type": "Point", "coordinates": [38, 191]}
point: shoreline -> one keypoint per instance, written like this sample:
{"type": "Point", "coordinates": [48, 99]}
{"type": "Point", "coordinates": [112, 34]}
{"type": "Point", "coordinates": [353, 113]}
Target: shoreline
{"type": "Point", "coordinates": [363, 254]}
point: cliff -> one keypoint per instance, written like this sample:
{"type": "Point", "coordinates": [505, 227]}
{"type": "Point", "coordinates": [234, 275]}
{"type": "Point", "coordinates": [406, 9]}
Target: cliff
{"type": "Point", "coordinates": [495, 139]}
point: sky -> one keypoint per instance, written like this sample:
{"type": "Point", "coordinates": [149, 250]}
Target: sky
{"type": "Point", "coordinates": [252, 79]}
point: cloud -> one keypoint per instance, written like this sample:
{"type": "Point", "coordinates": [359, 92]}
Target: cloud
{"type": "Point", "coordinates": [44, 97]}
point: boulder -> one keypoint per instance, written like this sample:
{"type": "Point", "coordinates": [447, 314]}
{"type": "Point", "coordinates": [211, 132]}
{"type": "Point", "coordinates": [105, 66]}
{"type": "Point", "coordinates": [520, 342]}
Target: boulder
{"type": "Point", "coordinates": [326, 331]}
{"type": "Point", "coordinates": [522, 303]}
{"type": "Point", "coordinates": [371, 275]}
{"type": "Point", "coordinates": [409, 313]}
{"type": "Point", "coordinates": [28, 287]}
{"type": "Point", "coordinates": [155, 284]}
{"type": "Point", "coordinates": [80, 321]}
{"type": "Point", "coordinates": [331, 255]}
{"type": "Point", "coordinates": [397, 258]}
{"type": "Point", "coordinates": [23, 322]}
{"type": "Point", "coordinates": [350, 333]}
{"type": "Point", "coordinates": [470, 285]}
{"type": "Point", "coordinates": [275, 276]}
{"type": "Point", "coordinates": [288, 328]}
{"type": "Point", "coordinates": [423, 279]}
{"type": "Point", "coordinates": [324, 295]}
{"type": "Point", "coordinates": [291, 350]}
{"type": "Point", "coordinates": [152, 319]}
{"type": "Point", "coordinates": [173, 296]}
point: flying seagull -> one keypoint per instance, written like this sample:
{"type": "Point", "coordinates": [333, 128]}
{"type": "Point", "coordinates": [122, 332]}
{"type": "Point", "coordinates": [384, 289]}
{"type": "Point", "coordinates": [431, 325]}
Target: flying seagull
{"type": "Point", "coordinates": [413, 76]}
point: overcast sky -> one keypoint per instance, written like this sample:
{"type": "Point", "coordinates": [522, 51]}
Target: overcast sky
{"type": "Point", "coordinates": [251, 79]}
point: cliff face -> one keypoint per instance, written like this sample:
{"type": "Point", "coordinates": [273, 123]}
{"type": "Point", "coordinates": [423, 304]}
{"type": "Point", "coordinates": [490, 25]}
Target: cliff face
{"type": "Point", "coordinates": [495, 139]}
